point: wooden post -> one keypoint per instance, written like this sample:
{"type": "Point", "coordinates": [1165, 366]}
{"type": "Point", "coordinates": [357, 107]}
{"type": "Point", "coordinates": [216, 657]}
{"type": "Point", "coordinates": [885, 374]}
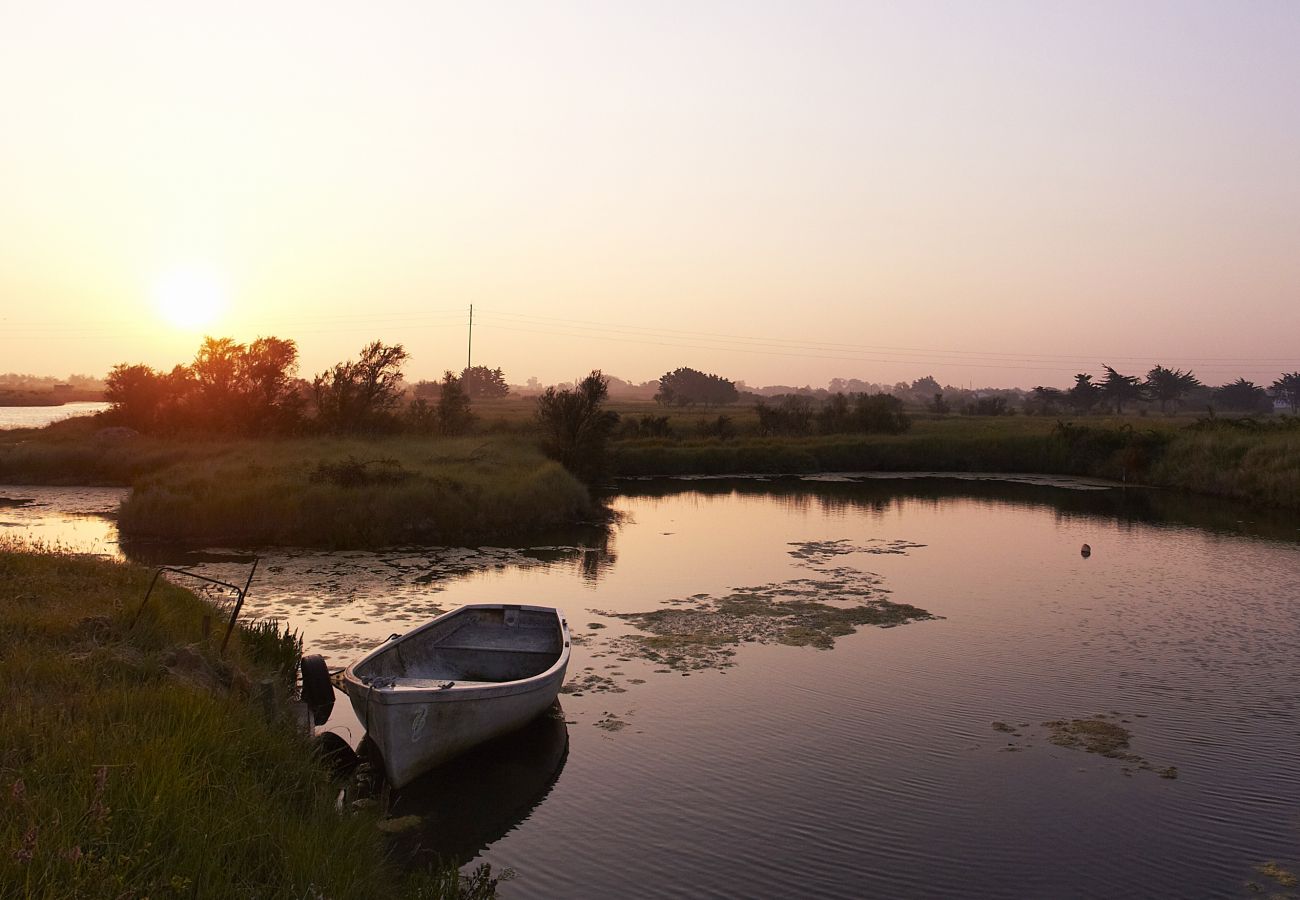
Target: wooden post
{"type": "Point", "coordinates": [266, 693]}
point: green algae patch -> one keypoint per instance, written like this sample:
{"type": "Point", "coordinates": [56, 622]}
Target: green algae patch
{"type": "Point", "coordinates": [1093, 736]}
{"type": "Point", "coordinates": [1283, 877]}
{"type": "Point", "coordinates": [708, 636]}
{"type": "Point", "coordinates": [1098, 735]}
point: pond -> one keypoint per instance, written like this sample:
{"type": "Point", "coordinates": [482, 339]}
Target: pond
{"type": "Point", "coordinates": [716, 750]}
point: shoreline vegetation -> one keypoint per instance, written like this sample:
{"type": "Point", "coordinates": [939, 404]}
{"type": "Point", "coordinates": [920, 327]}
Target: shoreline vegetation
{"type": "Point", "coordinates": [498, 483]}
{"type": "Point", "coordinates": [234, 449]}
{"type": "Point", "coordinates": [139, 762]}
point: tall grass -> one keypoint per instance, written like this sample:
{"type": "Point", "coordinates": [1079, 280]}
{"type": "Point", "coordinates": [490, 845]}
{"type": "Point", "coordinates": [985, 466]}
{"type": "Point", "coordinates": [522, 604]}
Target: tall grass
{"type": "Point", "coordinates": [1257, 465]}
{"type": "Point", "coordinates": [309, 492]}
{"type": "Point", "coordinates": [133, 765]}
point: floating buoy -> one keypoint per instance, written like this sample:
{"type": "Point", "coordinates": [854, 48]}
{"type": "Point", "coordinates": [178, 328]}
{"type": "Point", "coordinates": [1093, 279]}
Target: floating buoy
{"type": "Point", "coordinates": [1085, 551]}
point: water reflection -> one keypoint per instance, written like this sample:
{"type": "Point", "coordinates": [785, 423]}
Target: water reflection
{"type": "Point", "coordinates": [476, 799]}
{"type": "Point", "coordinates": [875, 768]}
{"type": "Point", "coordinates": [878, 495]}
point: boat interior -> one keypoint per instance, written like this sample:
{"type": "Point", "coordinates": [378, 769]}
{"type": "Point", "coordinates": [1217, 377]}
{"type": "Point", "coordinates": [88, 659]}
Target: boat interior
{"type": "Point", "coordinates": [485, 646]}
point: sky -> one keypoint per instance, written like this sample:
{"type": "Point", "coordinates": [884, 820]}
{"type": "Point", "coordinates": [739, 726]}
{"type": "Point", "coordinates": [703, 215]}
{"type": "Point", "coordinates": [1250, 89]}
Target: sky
{"type": "Point", "coordinates": [997, 193]}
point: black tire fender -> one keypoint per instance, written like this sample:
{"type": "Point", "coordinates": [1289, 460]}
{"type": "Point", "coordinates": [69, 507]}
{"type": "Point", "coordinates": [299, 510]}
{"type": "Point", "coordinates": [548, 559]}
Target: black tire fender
{"type": "Point", "coordinates": [317, 691]}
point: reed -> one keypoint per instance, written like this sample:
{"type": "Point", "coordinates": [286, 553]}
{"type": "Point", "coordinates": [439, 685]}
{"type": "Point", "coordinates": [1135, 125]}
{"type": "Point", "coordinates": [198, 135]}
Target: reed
{"type": "Point", "coordinates": [134, 764]}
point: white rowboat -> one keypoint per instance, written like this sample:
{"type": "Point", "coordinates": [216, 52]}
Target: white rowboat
{"type": "Point", "coordinates": [468, 676]}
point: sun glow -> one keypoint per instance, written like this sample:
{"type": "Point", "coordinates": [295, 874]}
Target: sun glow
{"type": "Point", "coordinates": [189, 298]}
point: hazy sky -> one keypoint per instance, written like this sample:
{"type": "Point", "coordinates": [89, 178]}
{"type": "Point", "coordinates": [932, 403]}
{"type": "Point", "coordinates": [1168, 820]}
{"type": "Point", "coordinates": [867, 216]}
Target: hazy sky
{"type": "Point", "coordinates": [1001, 193]}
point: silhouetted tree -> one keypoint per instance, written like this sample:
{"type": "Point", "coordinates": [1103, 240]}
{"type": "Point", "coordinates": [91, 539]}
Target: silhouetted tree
{"type": "Point", "coordinates": [482, 383]}
{"type": "Point", "coordinates": [792, 415]}
{"type": "Point", "coordinates": [228, 388]}
{"type": "Point", "coordinates": [454, 416]}
{"type": "Point", "coordinates": [986, 406]}
{"type": "Point", "coordinates": [1120, 388]}
{"type": "Point", "coordinates": [938, 405]}
{"type": "Point", "coordinates": [1084, 395]}
{"type": "Point", "coordinates": [137, 393]}
{"type": "Point", "coordinates": [268, 370]}
{"type": "Point", "coordinates": [836, 415]}
{"type": "Point", "coordinates": [575, 427]}
{"type": "Point", "coordinates": [420, 416]}
{"type": "Point", "coordinates": [217, 382]}
{"type": "Point", "coordinates": [360, 396]}
{"type": "Point", "coordinates": [686, 387]}
{"type": "Point", "coordinates": [879, 414]}
{"type": "Point", "coordinates": [1243, 396]}
{"type": "Point", "coordinates": [1170, 385]}
{"type": "Point", "coordinates": [1287, 389]}
{"type": "Point", "coordinates": [1045, 401]}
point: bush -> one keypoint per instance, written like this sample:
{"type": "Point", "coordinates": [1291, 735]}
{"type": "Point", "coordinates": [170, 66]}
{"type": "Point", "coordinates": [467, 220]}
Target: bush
{"type": "Point", "coordinates": [575, 428]}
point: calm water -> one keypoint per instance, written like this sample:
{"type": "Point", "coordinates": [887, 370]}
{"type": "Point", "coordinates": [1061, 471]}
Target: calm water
{"type": "Point", "coordinates": [871, 769]}
{"type": "Point", "coordinates": [40, 416]}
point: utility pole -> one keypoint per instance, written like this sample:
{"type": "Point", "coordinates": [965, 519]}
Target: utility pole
{"type": "Point", "coordinates": [469, 354]}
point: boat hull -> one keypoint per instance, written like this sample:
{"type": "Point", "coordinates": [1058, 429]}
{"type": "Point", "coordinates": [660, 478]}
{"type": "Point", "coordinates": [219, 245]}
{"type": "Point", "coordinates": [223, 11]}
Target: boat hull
{"type": "Point", "coordinates": [418, 724]}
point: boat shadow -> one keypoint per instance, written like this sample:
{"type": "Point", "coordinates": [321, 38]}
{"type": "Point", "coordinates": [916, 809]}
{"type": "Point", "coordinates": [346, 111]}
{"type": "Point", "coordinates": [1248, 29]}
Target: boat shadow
{"type": "Point", "coordinates": [473, 801]}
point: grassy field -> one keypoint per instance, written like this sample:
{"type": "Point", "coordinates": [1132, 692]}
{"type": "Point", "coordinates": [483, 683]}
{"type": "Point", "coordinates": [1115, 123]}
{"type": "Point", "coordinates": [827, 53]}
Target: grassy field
{"type": "Point", "coordinates": [134, 763]}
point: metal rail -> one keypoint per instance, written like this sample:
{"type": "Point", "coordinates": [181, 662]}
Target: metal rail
{"type": "Point", "coordinates": [239, 592]}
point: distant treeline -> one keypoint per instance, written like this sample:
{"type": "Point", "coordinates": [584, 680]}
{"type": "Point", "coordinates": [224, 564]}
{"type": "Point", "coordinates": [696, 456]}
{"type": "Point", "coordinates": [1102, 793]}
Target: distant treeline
{"type": "Point", "coordinates": [35, 390]}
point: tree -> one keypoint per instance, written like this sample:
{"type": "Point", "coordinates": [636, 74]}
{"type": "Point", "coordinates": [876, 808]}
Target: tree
{"type": "Point", "coordinates": [482, 383]}
{"type": "Point", "coordinates": [1287, 388]}
{"type": "Point", "coordinates": [137, 394]}
{"type": "Point", "coordinates": [835, 415]}
{"type": "Point", "coordinates": [1243, 396]}
{"type": "Point", "coordinates": [686, 387]}
{"type": "Point", "coordinates": [228, 388]}
{"type": "Point", "coordinates": [939, 405]}
{"type": "Point", "coordinates": [1119, 388]}
{"type": "Point", "coordinates": [268, 371]}
{"type": "Point", "coordinates": [360, 396]}
{"type": "Point", "coordinates": [1045, 401]}
{"type": "Point", "coordinates": [1084, 395]}
{"type": "Point", "coordinates": [217, 383]}
{"type": "Point", "coordinates": [880, 413]}
{"type": "Point", "coordinates": [792, 415]}
{"type": "Point", "coordinates": [1170, 385]}
{"type": "Point", "coordinates": [454, 416]}
{"type": "Point", "coordinates": [575, 427]}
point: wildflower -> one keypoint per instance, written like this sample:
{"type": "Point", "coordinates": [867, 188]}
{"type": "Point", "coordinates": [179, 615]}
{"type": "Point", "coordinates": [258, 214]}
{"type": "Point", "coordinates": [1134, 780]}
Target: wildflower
{"type": "Point", "coordinates": [25, 853]}
{"type": "Point", "coordinates": [18, 792]}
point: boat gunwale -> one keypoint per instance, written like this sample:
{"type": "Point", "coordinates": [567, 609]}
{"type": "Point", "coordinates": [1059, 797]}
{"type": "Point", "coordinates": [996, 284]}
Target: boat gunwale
{"type": "Point", "coordinates": [398, 694]}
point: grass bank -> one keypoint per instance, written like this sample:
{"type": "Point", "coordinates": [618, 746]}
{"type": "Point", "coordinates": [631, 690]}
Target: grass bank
{"type": "Point", "coordinates": [134, 764]}
{"type": "Point", "coordinates": [337, 493]}
{"type": "Point", "coordinates": [82, 451]}
{"type": "Point", "coordinates": [1257, 465]}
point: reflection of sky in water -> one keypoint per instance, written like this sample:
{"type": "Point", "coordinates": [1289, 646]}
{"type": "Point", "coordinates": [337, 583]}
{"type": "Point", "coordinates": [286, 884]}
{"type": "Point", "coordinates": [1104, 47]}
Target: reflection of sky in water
{"type": "Point", "coordinates": [71, 517]}
{"type": "Point", "coordinates": [872, 769]}
{"type": "Point", "coordinates": [40, 416]}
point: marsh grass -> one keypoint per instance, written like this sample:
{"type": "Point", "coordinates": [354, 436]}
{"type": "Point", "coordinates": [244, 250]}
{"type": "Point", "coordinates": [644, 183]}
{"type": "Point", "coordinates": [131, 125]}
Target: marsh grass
{"type": "Point", "coordinates": [133, 764]}
{"type": "Point", "coordinates": [1260, 465]}
{"type": "Point", "coordinates": [320, 493]}
{"type": "Point", "coordinates": [497, 483]}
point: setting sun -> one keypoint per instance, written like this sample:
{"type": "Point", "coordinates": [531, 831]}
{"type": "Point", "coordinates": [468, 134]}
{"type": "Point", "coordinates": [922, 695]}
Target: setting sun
{"type": "Point", "coordinates": [189, 298]}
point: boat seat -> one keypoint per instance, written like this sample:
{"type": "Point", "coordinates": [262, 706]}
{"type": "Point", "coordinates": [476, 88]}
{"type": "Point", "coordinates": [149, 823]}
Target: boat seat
{"type": "Point", "coordinates": [425, 684]}
{"type": "Point", "coordinates": [495, 649]}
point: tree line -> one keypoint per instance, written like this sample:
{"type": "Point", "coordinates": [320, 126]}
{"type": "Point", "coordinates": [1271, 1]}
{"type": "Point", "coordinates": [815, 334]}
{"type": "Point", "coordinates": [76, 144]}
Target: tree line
{"type": "Point", "coordinates": [1171, 388]}
{"type": "Point", "coordinates": [253, 389]}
